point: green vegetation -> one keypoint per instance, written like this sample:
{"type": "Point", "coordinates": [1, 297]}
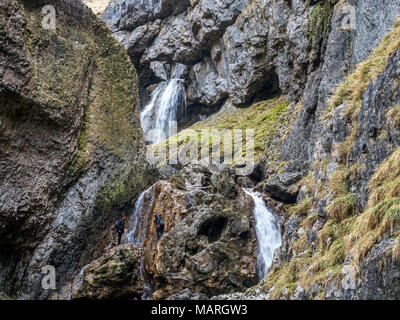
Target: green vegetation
{"type": "Point", "coordinates": [320, 19]}
{"type": "Point", "coordinates": [347, 232]}
{"type": "Point", "coordinates": [84, 80]}
{"type": "Point", "coordinates": [262, 117]}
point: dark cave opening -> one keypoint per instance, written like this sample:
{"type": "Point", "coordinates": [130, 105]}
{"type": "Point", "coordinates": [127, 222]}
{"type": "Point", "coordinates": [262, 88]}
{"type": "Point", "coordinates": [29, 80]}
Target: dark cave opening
{"type": "Point", "coordinates": [213, 228]}
{"type": "Point", "coordinates": [269, 88]}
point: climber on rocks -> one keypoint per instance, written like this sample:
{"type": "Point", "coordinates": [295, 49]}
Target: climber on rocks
{"type": "Point", "coordinates": [160, 224]}
{"type": "Point", "coordinates": [120, 226]}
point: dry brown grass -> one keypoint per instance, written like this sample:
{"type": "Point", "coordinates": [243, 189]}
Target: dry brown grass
{"type": "Point", "coordinates": [353, 88]}
{"type": "Point", "coordinates": [337, 184]}
{"type": "Point", "coordinates": [347, 234]}
{"type": "Point", "coordinates": [393, 115]}
{"type": "Point", "coordinates": [302, 208]}
{"type": "Point", "coordinates": [342, 207]}
{"type": "Point", "coordinates": [382, 215]}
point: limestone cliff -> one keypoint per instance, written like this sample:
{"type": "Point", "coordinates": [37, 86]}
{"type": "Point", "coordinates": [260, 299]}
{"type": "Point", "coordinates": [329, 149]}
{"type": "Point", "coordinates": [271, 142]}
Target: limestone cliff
{"type": "Point", "coordinates": [71, 145]}
{"type": "Point", "coordinates": [317, 80]}
{"type": "Point", "coordinates": [328, 158]}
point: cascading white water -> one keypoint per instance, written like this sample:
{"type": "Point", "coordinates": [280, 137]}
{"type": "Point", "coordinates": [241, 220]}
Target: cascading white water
{"type": "Point", "coordinates": [268, 233]}
{"type": "Point", "coordinates": [160, 116]}
{"type": "Point", "coordinates": [132, 236]}
{"type": "Point", "coordinates": [136, 236]}
{"type": "Point", "coordinates": [168, 109]}
{"type": "Point", "coordinates": [133, 222]}
{"type": "Point", "coordinates": [148, 114]}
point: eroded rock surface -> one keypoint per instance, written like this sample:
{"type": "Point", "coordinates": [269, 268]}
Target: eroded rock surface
{"type": "Point", "coordinates": [66, 168]}
{"type": "Point", "coordinates": [209, 244]}
{"type": "Point", "coordinates": [115, 275]}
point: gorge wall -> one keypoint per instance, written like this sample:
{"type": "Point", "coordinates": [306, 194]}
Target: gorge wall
{"type": "Point", "coordinates": [319, 80]}
{"type": "Point", "coordinates": [71, 145]}
{"type": "Point", "coordinates": [240, 52]}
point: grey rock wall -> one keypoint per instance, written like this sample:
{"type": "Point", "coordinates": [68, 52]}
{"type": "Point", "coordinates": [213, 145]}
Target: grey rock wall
{"type": "Point", "coordinates": [62, 185]}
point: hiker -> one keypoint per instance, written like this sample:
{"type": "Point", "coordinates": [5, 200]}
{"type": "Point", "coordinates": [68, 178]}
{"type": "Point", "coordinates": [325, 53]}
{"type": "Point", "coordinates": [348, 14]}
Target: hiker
{"type": "Point", "coordinates": [120, 225]}
{"type": "Point", "coordinates": [160, 224]}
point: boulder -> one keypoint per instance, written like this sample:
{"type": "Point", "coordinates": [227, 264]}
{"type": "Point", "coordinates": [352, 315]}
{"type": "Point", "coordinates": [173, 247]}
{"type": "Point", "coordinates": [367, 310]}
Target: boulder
{"type": "Point", "coordinates": [115, 275]}
{"type": "Point", "coordinates": [209, 244]}
{"type": "Point", "coordinates": [282, 187]}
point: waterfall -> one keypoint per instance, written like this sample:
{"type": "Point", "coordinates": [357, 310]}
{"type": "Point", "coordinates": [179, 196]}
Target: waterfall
{"type": "Point", "coordinates": [268, 233]}
{"type": "Point", "coordinates": [76, 283]}
{"type": "Point", "coordinates": [167, 103]}
{"type": "Point", "coordinates": [133, 222]}
{"type": "Point", "coordinates": [137, 230]}
{"type": "Point", "coordinates": [134, 234]}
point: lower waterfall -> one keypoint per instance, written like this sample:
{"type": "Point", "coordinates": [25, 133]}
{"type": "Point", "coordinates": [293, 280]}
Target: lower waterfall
{"type": "Point", "coordinates": [268, 233]}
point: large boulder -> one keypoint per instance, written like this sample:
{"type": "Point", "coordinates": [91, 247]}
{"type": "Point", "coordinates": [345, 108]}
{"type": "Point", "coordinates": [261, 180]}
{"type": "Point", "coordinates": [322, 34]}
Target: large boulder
{"type": "Point", "coordinates": [209, 244]}
{"type": "Point", "coordinates": [283, 187]}
{"type": "Point", "coordinates": [115, 275]}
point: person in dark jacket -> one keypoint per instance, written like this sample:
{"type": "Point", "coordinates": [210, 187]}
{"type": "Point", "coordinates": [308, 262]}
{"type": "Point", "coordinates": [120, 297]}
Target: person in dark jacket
{"type": "Point", "coordinates": [120, 226]}
{"type": "Point", "coordinates": [160, 225]}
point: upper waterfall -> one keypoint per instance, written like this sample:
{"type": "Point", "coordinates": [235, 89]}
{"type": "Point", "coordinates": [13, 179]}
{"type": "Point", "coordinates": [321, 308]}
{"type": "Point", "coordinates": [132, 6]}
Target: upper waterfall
{"type": "Point", "coordinates": [159, 118]}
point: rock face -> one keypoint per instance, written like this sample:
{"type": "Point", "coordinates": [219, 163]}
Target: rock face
{"type": "Point", "coordinates": [71, 147]}
{"type": "Point", "coordinates": [209, 244]}
{"type": "Point", "coordinates": [346, 150]}
{"type": "Point", "coordinates": [282, 187]}
{"type": "Point", "coordinates": [72, 152]}
{"type": "Point", "coordinates": [226, 57]}
{"type": "Point", "coordinates": [243, 51]}
{"type": "Point", "coordinates": [116, 275]}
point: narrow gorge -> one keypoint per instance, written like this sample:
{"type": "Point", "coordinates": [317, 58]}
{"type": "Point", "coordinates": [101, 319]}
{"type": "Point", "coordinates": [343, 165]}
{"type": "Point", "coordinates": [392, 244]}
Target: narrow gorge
{"type": "Point", "coordinates": [266, 133]}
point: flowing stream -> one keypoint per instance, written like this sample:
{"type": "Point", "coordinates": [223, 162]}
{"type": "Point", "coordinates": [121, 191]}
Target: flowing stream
{"type": "Point", "coordinates": [268, 233]}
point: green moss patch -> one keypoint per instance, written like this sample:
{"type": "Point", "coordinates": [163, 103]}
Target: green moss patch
{"type": "Point", "coordinates": [219, 130]}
